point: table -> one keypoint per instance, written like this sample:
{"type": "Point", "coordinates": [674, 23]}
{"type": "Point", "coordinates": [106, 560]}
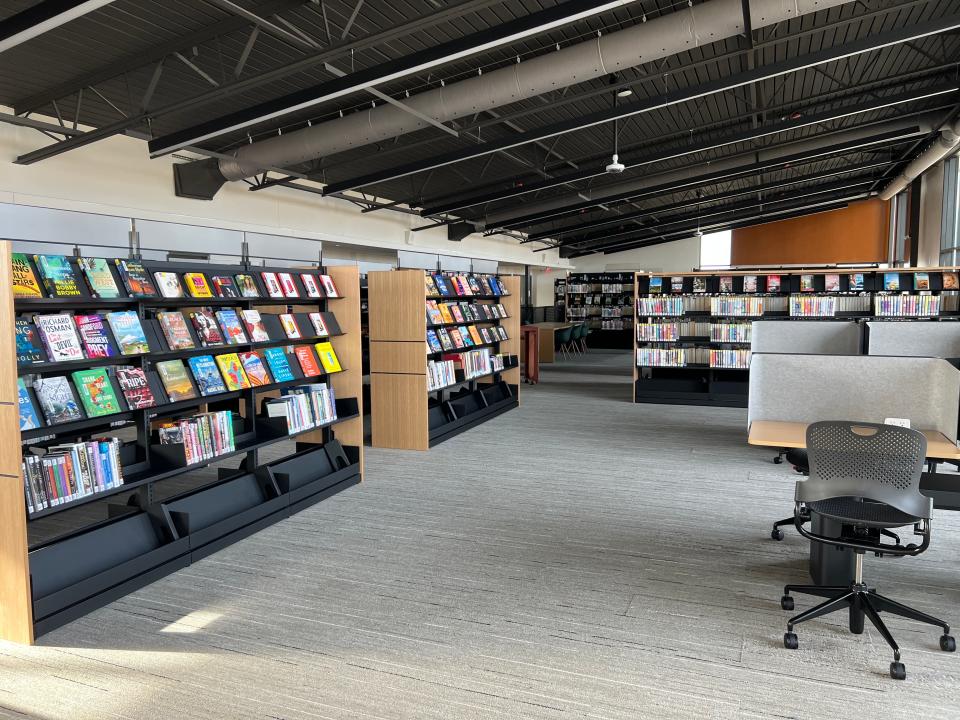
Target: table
{"type": "Point", "coordinates": [776, 433]}
{"type": "Point", "coordinates": [530, 345]}
{"type": "Point", "coordinates": [547, 330]}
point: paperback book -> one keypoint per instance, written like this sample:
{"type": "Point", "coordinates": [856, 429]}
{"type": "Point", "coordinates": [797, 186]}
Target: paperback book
{"type": "Point", "coordinates": [279, 366]}
{"type": "Point", "coordinates": [445, 340]}
{"type": "Point", "coordinates": [272, 284]}
{"type": "Point", "coordinates": [773, 283]}
{"type": "Point", "coordinates": [676, 284]}
{"type": "Point", "coordinates": [23, 279]}
{"type": "Point", "coordinates": [232, 371]}
{"type": "Point", "coordinates": [59, 337]}
{"type": "Point", "coordinates": [656, 285]}
{"type": "Point", "coordinates": [128, 332]}
{"type": "Point", "coordinates": [442, 287]}
{"type": "Point", "coordinates": [99, 278]}
{"type": "Point", "coordinates": [224, 286]}
{"type": "Point", "coordinates": [950, 281]}
{"type": "Point", "coordinates": [806, 283]}
{"type": "Point", "coordinates": [93, 333]}
{"type": "Point", "coordinates": [29, 420]}
{"type": "Point", "coordinates": [96, 392]}
{"type": "Point", "coordinates": [749, 283]}
{"type": "Point", "coordinates": [232, 327]}
{"type": "Point", "coordinates": [247, 286]}
{"type": "Point", "coordinates": [175, 331]}
{"type": "Point", "coordinates": [307, 360]}
{"type": "Point", "coordinates": [726, 283]}
{"type": "Point", "coordinates": [311, 285]}
{"type": "Point", "coordinates": [328, 357]}
{"type": "Point", "coordinates": [255, 327]}
{"type": "Point", "coordinates": [206, 326]}
{"type": "Point", "coordinates": [290, 327]}
{"type": "Point", "coordinates": [855, 282]}
{"type": "Point", "coordinates": [831, 282]}
{"type": "Point", "coordinates": [699, 284]}
{"type": "Point", "coordinates": [329, 287]}
{"type": "Point", "coordinates": [891, 282]}
{"type": "Point", "coordinates": [176, 381]}
{"type": "Point", "coordinates": [57, 275]}
{"type": "Point", "coordinates": [29, 345]}
{"type": "Point", "coordinates": [206, 375]}
{"type": "Point", "coordinates": [255, 369]}
{"type": "Point", "coordinates": [197, 285]}
{"type": "Point", "coordinates": [431, 286]}
{"type": "Point", "coordinates": [136, 278]}
{"type": "Point", "coordinates": [433, 342]}
{"type": "Point", "coordinates": [288, 286]}
{"type": "Point", "coordinates": [319, 326]}
{"type": "Point", "coordinates": [921, 281]}
{"type": "Point", "coordinates": [135, 388]}
{"type": "Point", "coordinates": [169, 284]}
{"type": "Point", "coordinates": [56, 400]}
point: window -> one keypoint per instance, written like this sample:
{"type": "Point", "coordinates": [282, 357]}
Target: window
{"type": "Point", "coordinates": [715, 249]}
{"type": "Point", "coordinates": [949, 242]}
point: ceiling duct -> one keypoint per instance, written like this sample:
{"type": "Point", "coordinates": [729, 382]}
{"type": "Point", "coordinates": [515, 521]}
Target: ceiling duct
{"type": "Point", "coordinates": [947, 142]}
{"type": "Point", "coordinates": [642, 43]}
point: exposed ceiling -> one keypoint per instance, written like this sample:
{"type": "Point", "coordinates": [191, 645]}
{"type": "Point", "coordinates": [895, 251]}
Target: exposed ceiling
{"type": "Point", "coordinates": [859, 89]}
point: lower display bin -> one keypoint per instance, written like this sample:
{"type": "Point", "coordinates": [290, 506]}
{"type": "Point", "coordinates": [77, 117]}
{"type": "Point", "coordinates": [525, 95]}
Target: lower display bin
{"type": "Point", "coordinates": [469, 409]}
{"type": "Point", "coordinates": [313, 470]}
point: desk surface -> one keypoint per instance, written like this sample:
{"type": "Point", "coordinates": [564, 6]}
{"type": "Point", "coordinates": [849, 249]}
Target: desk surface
{"type": "Point", "coordinates": [773, 433]}
{"type": "Point", "coordinates": [552, 325]}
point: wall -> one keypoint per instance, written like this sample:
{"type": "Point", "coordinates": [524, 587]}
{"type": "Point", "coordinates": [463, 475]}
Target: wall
{"type": "Point", "coordinates": [116, 177]}
{"type": "Point", "coordinates": [931, 216]}
{"type": "Point", "coordinates": [857, 233]}
{"type": "Point", "coordinates": [679, 255]}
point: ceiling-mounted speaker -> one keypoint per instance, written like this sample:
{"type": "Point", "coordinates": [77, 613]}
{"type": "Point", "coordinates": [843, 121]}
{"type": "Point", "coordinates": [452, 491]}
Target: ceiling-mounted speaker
{"type": "Point", "coordinates": [459, 230]}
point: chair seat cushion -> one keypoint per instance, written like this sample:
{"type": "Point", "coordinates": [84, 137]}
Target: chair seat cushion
{"type": "Point", "coordinates": [855, 511]}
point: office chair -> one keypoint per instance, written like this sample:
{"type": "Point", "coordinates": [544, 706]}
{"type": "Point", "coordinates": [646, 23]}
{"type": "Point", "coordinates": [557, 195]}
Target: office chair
{"type": "Point", "coordinates": [865, 476]}
{"type": "Point", "coordinates": [561, 339]}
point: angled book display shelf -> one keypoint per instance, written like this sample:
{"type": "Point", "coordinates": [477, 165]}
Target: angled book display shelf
{"type": "Point", "coordinates": [126, 380]}
{"type": "Point", "coordinates": [443, 354]}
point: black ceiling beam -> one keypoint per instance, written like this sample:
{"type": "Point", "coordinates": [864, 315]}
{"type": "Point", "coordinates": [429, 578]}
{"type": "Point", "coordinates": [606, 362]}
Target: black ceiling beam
{"type": "Point", "coordinates": [880, 139]}
{"type": "Point", "coordinates": [419, 61]}
{"type": "Point", "coordinates": [856, 47]}
{"type": "Point", "coordinates": [43, 17]}
{"type": "Point", "coordinates": [743, 136]}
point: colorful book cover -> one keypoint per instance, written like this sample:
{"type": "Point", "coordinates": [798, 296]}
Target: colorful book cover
{"type": "Point", "coordinates": [749, 283]}
{"type": "Point", "coordinates": [99, 278]}
{"type": "Point", "coordinates": [206, 375]}
{"type": "Point", "coordinates": [319, 326]}
{"type": "Point", "coordinates": [232, 327]}
{"type": "Point", "coordinates": [699, 284]}
{"type": "Point", "coordinates": [255, 327]}
{"type": "Point", "coordinates": [307, 360]}
{"type": "Point", "coordinates": [456, 312]}
{"type": "Point", "coordinates": [474, 285]}
{"type": "Point", "coordinates": [232, 371]}
{"type": "Point", "coordinates": [773, 283]}
{"type": "Point", "coordinates": [29, 345]}
{"type": "Point", "coordinates": [169, 284]}
{"type": "Point", "coordinates": [431, 286]}
{"type": "Point", "coordinates": [486, 336]}
{"type": "Point", "coordinates": [29, 420]}
{"type": "Point", "coordinates": [329, 287]}
{"type": "Point", "coordinates": [676, 284]}
{"type": "Point", "coordinates": [891, 282]}
{"type": "Point", "coordinates": [433, 342]}
{"type": "Point", "coordinates": [855, 282]}
{"type": "Point", "coordinates": [445, 339]}
{"type": "Point", "coordinates": [96, 392]}
{"type": "Point", "coordinates": [176, 381]}
{"type": "Point", "coordinates": [442, 287]}
{"type": "Point", "coordinates": [950, 281]}
{"type": "Point", "coordinates": [290, 327]}
{"type": "Point", "coordinates": [135, 388]}
{"type": "Point", "coordinates": [136, 278]}
{"type": "Point", "coordinates": [256, 371]}
{"type": "Point", "coordinates": [224, 286]}
{"type": "Point", "coordinates": [445, 313]}
{"type": "Point", "coordinates": [175, 330]}
{"type": "Point", "coordinates": [279, 366]}
{"type": "Point", "coordinates": [726, 283]}
{"type": "Point", "coordinates": [57, 275]}
{"type": "Point", "coordinates": [59, 337]}
{"type": "Point", "coordinates": [56, 400]}
{"type": "Point", "coordinates": [288, 286]}
{"type": "Point", "coordinates": [328, 357]}
{"type": "Point", "coordinates": [456, 338]}
{"type": "Point", "coordinates": [465, 336]}
{"type": "Point", "coordinates": [272, 284]}
{"type": "Point", "coordinates": [206, 326]}
{"type": "Point", "coordinates": [197, 285]}
{"type": "Point", "coordinates": [24, 280]}
{"type": "Point", "coordinates": [806, 283]}
{"type": "Point", "coordinates": [93, 333]}
{"type": "Point", "coordinates": [247, 286]}
{"type": "Point", "coordinates": [831, 282]}
{"type": "Point", "coordinates": [921, 281]}
{"type": "Point", "coordinates": [128, 332]}
{"type": "Point", "coordinates": [475, 335]}
{"type": "Point", "coordinates": [311, 285]}
{"type": "Point", "coordinates": [656, 285]}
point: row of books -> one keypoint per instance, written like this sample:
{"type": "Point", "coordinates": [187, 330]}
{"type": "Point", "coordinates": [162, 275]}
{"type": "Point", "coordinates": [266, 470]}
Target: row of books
{"type": "Point", "coordinates": [64, 337]}
{"type": "Point", "coordinates": [440, 374]}
{"type": "Point", "coordinates": [614, 299]}
{"type": "Point", "coordinates": [59, 280]}
{"type": "Point", "coordinates": [737, 306]}
{"type": "Point", "coordinates": [832, 283]}
{"type": "Point", "coordinates": [615, 323]}
{"type": "Point", "coordinates": [675, 330]}
{"type": "Point", "coordinates": [446, 313]}
{"type": "Point", "coordinates": [304, 406]}
{"type": "Point", "coordinates": [806, 306]}
{"type": "Point", "coordinates": [477, 362]}
{"type": "Point", "coordinates": [906, 305]}
{"type": "Point", "coordinates": [204, 436]}
{"type": "Point", "coordinates": [665, 306]}
{"type": "Point", "coordinates": [731, 332]}
{"type": "Point", "coordinates": [738, 359]}
{"type": "Point", "coordinates": [463, 285]}
{"type": "Point", "coordinates": [667, 357]}
{"type": "Point", "coordinates": [71, 471]}
{"type": "Point", "coordinates": [465, 336]}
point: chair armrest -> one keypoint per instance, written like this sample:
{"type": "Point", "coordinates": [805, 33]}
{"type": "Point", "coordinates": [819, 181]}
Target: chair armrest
{"type": "Point", "coordinates": [801, 514]}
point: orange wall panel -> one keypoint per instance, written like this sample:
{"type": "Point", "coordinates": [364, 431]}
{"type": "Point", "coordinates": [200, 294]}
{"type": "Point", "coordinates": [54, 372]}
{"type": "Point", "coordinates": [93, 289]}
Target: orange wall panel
{"type": "Point", "coordinates": [853, 234]}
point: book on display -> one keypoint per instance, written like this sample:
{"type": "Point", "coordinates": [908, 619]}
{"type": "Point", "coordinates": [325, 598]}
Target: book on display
{"type": "Point", "coordinates": [224, 286]}
{"type": "Point", "coordinates": [30, 347]}
{"type": "Point", "coordinates": [206, 326]}
{"type": "Point", "coordinates": [99, 278]}
{"type": "Point", "coordinates": [93, 333]}
{"type": "Point", "coordinates": [56, 400]}
{"type": "Point", "coordinates": [272, 284]}
{"type": "Point", "coordinates": [288, 285]}
{"type": "Point", "coordinates": [168, 283]}
{"type": "Point", "coordinates": [311, 285]}
{"type": "Point", "coordinates": [232, 327]}
{"type": "Point", "coordinates": [232, 370]}
{"type": "Point", "coordinates": [247, 286]}
{"type": "Point", "coordinates": [59, 337]}
{"type": "Point", "coordinates": [329, 286]}
{"type": "Point", "coordinates": [197, 285]}
{"type": "Point", "coordinates": [57, 276]}
{"type": "Point", "coordinates": [279, 365]}
{"type": "Point", "coordinates": [29, 419]}
{"type": "Point", "coordinates": [176, 381]}
{"type": "Point", "coordinates": [175, 331]}
{"type": "Point", "coordinates": [290, 327]}
{"type": "Point", "coordinates": [255, 369]}
{"type": "Point", "coordinates": [135, 278]}
{"type": "Point", "coordinates": [307, 360]}
{"type": "Point", "coordinates": [128, 332]}
{"type": "Point", "coordinates": [206, 375]}
{"type": "Point", "coordinates": [255, 326]}
{"type": "Point", "coordinates": [319, 326]}
{"type": "Point", "coordinates": [24, 280]}
{"type": "Point", "coordinates": [135, 388]}
{"type": "Point", "coordinates": [96, 392]}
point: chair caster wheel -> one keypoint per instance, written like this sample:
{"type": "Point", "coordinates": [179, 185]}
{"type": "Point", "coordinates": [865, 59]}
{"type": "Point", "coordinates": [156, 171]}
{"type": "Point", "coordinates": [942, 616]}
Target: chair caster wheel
{"type": "Point", "coordinates": [790, 641]}
{"type": "Point", "coordinates": [786, 602]}
{"type": "Point", "coordinates": [947, 643]}
{"type": "Point", "coordinates": [777, 460]}
{"type": "Point", "coordinates": [777, 534]}
{"type": "Point", "coordinates": [898, 671]}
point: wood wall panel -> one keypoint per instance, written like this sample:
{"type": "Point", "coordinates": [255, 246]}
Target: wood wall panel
{"type": "Point", "coordinates": [398, 412]}
{"type": "Point", "coordinates": [854, 234]}
{"type": "Point", "coordinates": [398, 357]}
{"type": "Point", "coordinates": [512, 325]}
{"type": "Point", "coordinates": [401, 296]}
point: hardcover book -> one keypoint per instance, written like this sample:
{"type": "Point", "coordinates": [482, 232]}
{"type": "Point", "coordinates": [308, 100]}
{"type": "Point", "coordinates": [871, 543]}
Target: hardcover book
{"type": "Point", "coordinates": [247, 286]}
{"type": "Point", "coordinates": [93, 333]}
{"type": "Point", "coordinates": [329, 287]}
{"type": "Point", "coordinates": [175, 330]}
{"type": "Point", "coordinates": [921, 281]}
{"type": "Point", "coordinates": [475, 335]}
{"type": "Point", "coordinates": [319, 326]}
{"type": "Point", "coordinates": [99, 278]}
{"type": "Point", "coordinates": [57, 275]}
{"type": "Point", "coordinates": [950, 281]}
{"type": "Point", "coordinates": [290, 327]}
{"type": "Point", "coordinates": [676, 284]}
{"type": "Point", "coordinates": [456, 338]}
{"type": "Point", "coordinates": [831, 282]}
{"type": "Point", "coordinates": [474, 285]}
{"type": "Point", "coordinates": [206, 326]}
{"type": "Point", "coordinates": [445, 313]}
{"type": "Point", "coordinates": [56, 400]}
{"type": "Point", "coordinates": [176, 381]}
{"type": "Point", "coordinates": [169, 284]}
{"type": "Point", "coordinates": [486, 336]}
{"type": "Point", "coordinates": [445, 339]}
{"type": "Point", "coordinates": [96, 392]}
{"type": "Point", "coordinates": [272, 284]}
{"type": "Point", "coordinates": [307, 360]}
{"type": "Point", "coordinates": [288, 286]}
{"type": "Point", "coordinates": [128, 332]}
{"type": "Point", "coordinates": [23, 279]}
{"type": "Point", "coordinates": [328, 357]}
{"type": "Point", "coordinates": [431, 286]}
{"type": "Point", "coordinates": [656, 285]}
{"type": "Point", "coordinates": [502, 331]}
{"type": "Point", "coordinates": [311, 285]}
{"type": "Point", "coordinates": [806, 283]}
{"type": "Point", "coordinates": [224, 286]}
{"type": "Point", "coordinates": [279, 366]}
{"type": "Point", "coordinates": [891, 282]}
{"type": "Point", "coordinates": [749, 283]}
{"type": "Point", "coordinates": [465, 336]}
{"type": "Point", "coordinates": [29, 345]}
{"type": "Point", "coordinates": [726, 283]}
{"type": "Point", "coordinates": [255, 327]}
{"type": "Point", "coordinates": [197, 285]}
{"type": "Point", "coordinates": [232, 371]}
{"type": "Point", "coordinates": [441, 282]}
{"type": "Point", "coordinates": [206, 375]}
{"type": "Point", "coordinates": [135, 388]}
{"type": "Point", "coordinates": [59, 337]}
{"type": "Point", "coordinates": [773, 283]}
{"type": "Point", "coordinates": [136, 278]}
{"type": "Point", "coordinates": [232, 328]}
{"type": "Point", "coordinates": [699, 284]}
{"type": "Point", "coordinates": [855, 281]}
{"type": "Point", "coordinates": [29, 420]}
{"type": "Point", "coordinates": [433, 342]}
{"type": "Point", "coordinates": [256, 371]}
{"type": "Point", "coordinates": [456, 312]}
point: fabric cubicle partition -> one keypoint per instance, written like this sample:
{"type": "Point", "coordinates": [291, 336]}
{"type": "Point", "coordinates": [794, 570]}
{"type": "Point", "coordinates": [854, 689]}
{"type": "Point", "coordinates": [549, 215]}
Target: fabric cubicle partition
{"type": "Point", "coordinates": [807, 388]}
{"type": "Point", "coordinates": [803, 336]}
{"type": "Point", "coordinates": [914, 339]}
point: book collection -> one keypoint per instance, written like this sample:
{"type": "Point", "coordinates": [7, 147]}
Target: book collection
{"type": "Point", "coordinates": [731, 332]}
{"type": "Point", "coordinates": [461, 312]}
{"type": "Point", "coordinates": [71, 471]}
{"type": "Point", "coordinates": [906, 305]}
{"type": "Point", "coordinates": [658, 332]}
{"type": "Point", "coordinates": [736, 359]}
{"type": "Point", "coordinates": [619, 323]}
{"type": "Point", "coordinates": [204, 436]}
{"type": "Point", "coordinates": [665, 357]}
{"type": "Point", "coordinates": [444, 285]}
{"type": "Point", "coordinates": [737, 306]}
{"type": "Point", "coordinates": [812, 306]}
{"type": "Point", "coordinates": [443, 339]}
{"type": "Point", "coordinates": [304, 407]}
{"type": "Point", "coordinates": [477, 363]}
{"type": "Point", "coordinates": [603, 300]}
{"type": "Point", "coordinates": [443, 373]}
{"type": "Point", "coordinates": [666, 306]}
{"type": "Point", "coordinates": [440, 374]}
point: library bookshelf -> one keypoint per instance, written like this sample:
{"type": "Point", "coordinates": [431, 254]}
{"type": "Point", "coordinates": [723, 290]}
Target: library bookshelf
{"type": "Point", "coordinates": [604, 301]}
{"type": "Point", "coordinates": [691, 337]}
{"type": "Point", "coordinates": [172, 507]}
{"type": "Point", "coordinates": [405, 411]}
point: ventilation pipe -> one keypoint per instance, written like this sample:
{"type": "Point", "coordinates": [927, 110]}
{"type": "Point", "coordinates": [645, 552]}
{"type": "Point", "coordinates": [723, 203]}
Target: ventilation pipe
{"type": "Point", "coordinates": [658, 38]}
{"type": "Point", "coordinates": [946, 143]}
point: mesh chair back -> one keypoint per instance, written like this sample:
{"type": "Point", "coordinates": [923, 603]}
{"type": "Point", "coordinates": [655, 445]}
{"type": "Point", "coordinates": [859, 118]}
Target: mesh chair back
{"type": "Point", "coordinates": [867, 460]}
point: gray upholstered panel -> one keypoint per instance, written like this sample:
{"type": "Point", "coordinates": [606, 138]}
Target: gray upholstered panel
{"type": "Point", "coordinates": [915, 339]}
{"type": "Point", "coordinates": [806, 336]}
{"type": "Point", "coordinates": [806, 388]}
